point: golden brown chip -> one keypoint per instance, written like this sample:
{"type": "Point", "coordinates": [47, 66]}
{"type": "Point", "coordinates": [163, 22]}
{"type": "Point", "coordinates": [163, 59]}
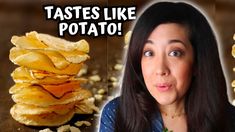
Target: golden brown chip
{"type": "Point", "coordinates": [25, 109]}
{"type": "Point", "coordinates": [59, 90]}
{"type": "Point", "coordinates": [80, 123]}
{"type": "Point", "coordinates": [39, 61]}
{"type": "Point", "coordinates": [61, 44]}
{"type": "Point", "coordinates": [86, 106]}
{"type": "Point", "coordinates": [52, 57]}
{"type": "Point", "coordinates": [33, 40]}
{"type": "Point", "coordinates": [38, 74]}
{"type": "Point", "coordinates": [49, 119]}
{"type": "Point", "coordinates": [24, 75]}
{"type": "Point", "coordinates": [21, 73]}
{"type": "Point", "coordinates": [27, 42]}
{"type": "Point", "coordinates": [18, 87]}
{"type": "Point", "coordinates": [36, 95]}
{"type": "Point", "coordinates": [74, 56]}
{"type": "Point", "coordinates": [60, 59]}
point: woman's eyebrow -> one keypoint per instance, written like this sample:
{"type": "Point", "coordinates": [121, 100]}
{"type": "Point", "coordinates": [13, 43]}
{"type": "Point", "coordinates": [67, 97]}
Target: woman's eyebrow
{"type": "Point", "coordinates": [176, 41]}
{"type": "Point", "coordinates": [169, 42]}
{"type": "Point", "coordinates": [149, 41]}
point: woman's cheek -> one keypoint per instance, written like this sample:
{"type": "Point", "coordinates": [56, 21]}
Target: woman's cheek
{"type": "Point", "coordinates": [147, 71]}
{"type": "Point", "coordinates": [183, 74]}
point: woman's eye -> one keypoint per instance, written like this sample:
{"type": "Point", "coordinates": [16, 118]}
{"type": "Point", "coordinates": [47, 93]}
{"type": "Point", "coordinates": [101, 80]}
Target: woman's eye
{"type": "Point", "coordinates": [148, 53]}
{"type": "Point", "coordinates": [176, 53]}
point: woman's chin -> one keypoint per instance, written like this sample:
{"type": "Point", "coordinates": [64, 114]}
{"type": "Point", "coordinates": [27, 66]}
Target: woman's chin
{"type": "Point", "coordinates": [166, 100]}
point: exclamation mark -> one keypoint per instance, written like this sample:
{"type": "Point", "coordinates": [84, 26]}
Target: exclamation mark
{"type": "Point", "coordinates": [120, 29]}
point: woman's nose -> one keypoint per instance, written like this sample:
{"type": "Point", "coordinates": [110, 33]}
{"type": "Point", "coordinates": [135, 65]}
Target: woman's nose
{"type": "Point", "coordinates": [162, 68]}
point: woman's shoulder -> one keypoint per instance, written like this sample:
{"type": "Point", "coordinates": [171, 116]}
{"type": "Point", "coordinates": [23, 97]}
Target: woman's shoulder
{"type": "Point", "coordinates": [111, 107]}
{"type": "Point", "coordinates": [112, 104]}
{"type": "Point", "coordinates": [108, 115]}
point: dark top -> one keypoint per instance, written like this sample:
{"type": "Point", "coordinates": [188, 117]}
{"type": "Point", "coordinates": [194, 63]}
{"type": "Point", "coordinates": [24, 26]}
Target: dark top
{"type": "Point", "coordinates": [107, 120]}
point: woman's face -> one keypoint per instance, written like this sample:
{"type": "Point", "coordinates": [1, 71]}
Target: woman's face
{"type": "Point", "coordinates": [167, 62]}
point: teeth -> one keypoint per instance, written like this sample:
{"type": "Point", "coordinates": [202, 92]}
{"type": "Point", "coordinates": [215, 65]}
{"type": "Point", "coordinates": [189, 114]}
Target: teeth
{"type": "Point", "coordinates": [47, 90]}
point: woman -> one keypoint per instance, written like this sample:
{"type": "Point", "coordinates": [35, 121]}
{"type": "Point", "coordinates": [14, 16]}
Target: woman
{"type": "Point", "coordinates": [173, 79]}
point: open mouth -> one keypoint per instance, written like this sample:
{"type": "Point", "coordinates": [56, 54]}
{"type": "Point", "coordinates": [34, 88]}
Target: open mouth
{"type": "Point", "coordinates": [163, 87]}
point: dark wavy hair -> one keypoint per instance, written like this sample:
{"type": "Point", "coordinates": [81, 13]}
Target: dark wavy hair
{"type": "Point", "coordinates": [206, 99]}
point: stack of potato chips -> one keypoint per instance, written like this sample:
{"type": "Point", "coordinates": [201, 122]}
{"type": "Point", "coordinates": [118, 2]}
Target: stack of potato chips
{"type": "Point", "coordinates": [47, 91]}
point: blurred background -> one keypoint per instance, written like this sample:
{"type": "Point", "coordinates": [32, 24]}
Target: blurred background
{"type": "Point", "coordinates": [19, 17]}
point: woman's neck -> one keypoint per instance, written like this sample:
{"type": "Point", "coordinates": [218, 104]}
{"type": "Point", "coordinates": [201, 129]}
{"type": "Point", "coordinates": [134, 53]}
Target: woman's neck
{"type": "Point", "coordinates": [177, 108]}
{"type": "Point", "coordinates": [174, 117]}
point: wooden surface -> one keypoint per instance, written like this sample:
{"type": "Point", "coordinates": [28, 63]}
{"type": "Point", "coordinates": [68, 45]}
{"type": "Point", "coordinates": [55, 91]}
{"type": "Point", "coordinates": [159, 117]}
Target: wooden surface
{"type": "Point", "coordinates": [16, 18]}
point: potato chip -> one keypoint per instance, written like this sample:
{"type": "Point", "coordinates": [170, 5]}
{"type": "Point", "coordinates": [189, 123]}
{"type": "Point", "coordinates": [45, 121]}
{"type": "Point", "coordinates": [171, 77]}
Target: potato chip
{"type": "Point", "coordinates": [25, 75]}
{"type": "Point", "coordinates": [28, 42]}
{"type": "Point", "coordinates": [61, 44]}
{"type": "Point", "coordinates": [52, 57]}
{"type": "Point", "coordinates": [33, 40]}
{"type": "Point", "coordinates": [18, 87]}
{"type": "Point", "coordinates": [57, 90]}
{"type": "Point", "coordinates": [36, 110]}
{"type": "Point", "coordinates": [86, 106]}
{"type": "Point", "coordinates": [49, 119]}
{"type": "Point", "coordinates": [80, 123]}
{"type": "Point", "coordinates": [46, 130]}
{"type": "Point", "coordinates": [74, 56]}
{"type": "Point", "coordinates": [38, 74]}
{"type": "Point", "coordinates": [60, 58]}
{"type": "Point", "coordinates": [39, 61]}
{"type": "Point", "coordinates": [60, 89]}
{"type": "Point", "coordinates": [36, 95]}
{"type": "Point", "coordinates": [21, 73]}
